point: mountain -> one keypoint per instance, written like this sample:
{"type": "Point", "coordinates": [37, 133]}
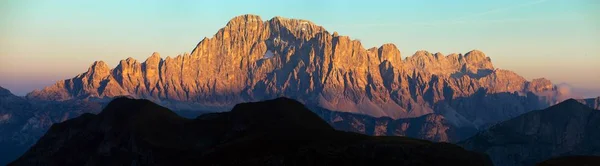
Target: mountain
{"type": "Point", "coordinates": [566, 129]}
{"type": "Point", "coordinates": [572, 161]}
{"type": "Point", "coordinates": [13, 110]}
{"type": "Point", "coordinates": [275, 132]}
{"type": "Point", "coordinates": [591, 102]}
{"type": "Point", "coordinates": [23, 122]}
{"type": "Point", "coordinates": [432, 127]}
{"type": "Point", "coordinates": [253, 60]}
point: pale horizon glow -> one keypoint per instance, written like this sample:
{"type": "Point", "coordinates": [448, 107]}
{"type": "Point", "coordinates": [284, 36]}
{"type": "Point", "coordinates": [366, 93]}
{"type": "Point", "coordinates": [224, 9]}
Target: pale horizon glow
{"type": "Point", "coordinates": [44, 41]}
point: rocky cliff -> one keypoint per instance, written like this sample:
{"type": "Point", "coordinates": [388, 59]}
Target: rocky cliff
{"type": "Point", "coordinates": [275, 132]}
{"type": "Point", "coordinates": [251, 60]}
{"type": "Point", "coordinates": [566, 129]}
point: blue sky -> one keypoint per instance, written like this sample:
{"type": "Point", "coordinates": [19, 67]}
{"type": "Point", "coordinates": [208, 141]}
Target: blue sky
{"type": "Point", "coordinates": [43, 41]}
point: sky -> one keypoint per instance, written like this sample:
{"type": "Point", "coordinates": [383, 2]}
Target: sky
{"type": "Point", "coordinates": [43, 41]}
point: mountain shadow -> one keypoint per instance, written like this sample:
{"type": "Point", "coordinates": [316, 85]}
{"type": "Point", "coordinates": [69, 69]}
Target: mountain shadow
{"type": "Point", "coordinates": [572, 161]}
{"type": "Point", "coordinates": [566, 129]}
{"type": "Point", "coordinates": [23, 122]}
{"type": "Point", "coordinates": [274, 132]}
{"type": "Point", "coordinates": [432, 127]}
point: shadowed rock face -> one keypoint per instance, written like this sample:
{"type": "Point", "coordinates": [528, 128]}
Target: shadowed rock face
{"type": "Point", "coordinates": [280, 131]}
{"type": "Point", "coordinates": [13, 110]}
{"type": "Point", "coordinates": [5, 92]}
{"type": "Point", "coordinates": [431, 127]}
{"type": "Point", "coordinates": [23, 122]}
{"type": "Point", "coordinates": [591, 102]}
{"type": "Point", "coordinates": [307, 63]}
{"type": "Point", "coordinates": [566, 129]}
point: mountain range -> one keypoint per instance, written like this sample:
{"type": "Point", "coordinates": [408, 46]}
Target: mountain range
{"type": "Point", "coordinates": [23, 121]}
{"type": "Point", "coordinates": [569, 128]}
{"type": "Point", "coordinates": [253, 60]}
{"type": "Point", "coordinates": [275, 132]}
{"type": "Point", "coordinates": [280, 131]}
{"type": "Point", "coordinates": [373, 91]}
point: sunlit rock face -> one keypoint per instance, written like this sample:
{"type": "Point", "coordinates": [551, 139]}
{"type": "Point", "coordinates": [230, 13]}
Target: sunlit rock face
{"type": "Point", "coordinates": [251, 59]}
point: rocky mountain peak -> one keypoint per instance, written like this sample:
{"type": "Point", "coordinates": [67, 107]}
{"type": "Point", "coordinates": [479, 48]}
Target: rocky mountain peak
{"type": "Point", "coordinates": [454, 56]}
{"type": "Point", "coordinates": [156, 54]}
{"type": "Point", "coordinates": [97, 71]}
{"type": "Point", "coordinates": [475, 53]}
{"type": "Point", "coordinates": [390, 53]}
{"type": "Point", "coordinates": [98, 66]}
{"type": "Point", "coordinates": [154, 59]}
{"type": "Point", "coordinates": [301, 29]}
{"type": "Point", "coordinates": [476, 57]}
{"type": "Point", "coordinates": [426, 62]}
{"type": "Point", "coordinates": [291, 22]}
{"type": "Point", "coordinates": [439, 55]}
{"type": "Point", "coordinates": [475, 61]}
{"type": "Point", "coordinates": [5, 92]}
{"type": "Point", "coordinates": [128, 61]}
{"type": "Point", "coordinates": [246, 19]}
{"type": "Point", "coordinates": [131, 60]}
{"type": "Point", "coordinates": [127, 64]}
{"type": "Point", "coordinates": [540, 85]}
{"type": "Point", "coordinates": [421, 53]}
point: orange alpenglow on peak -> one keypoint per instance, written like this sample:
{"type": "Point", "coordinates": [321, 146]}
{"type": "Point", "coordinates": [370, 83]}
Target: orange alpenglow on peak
{"type": "Point", "coordinates": [98, 66]}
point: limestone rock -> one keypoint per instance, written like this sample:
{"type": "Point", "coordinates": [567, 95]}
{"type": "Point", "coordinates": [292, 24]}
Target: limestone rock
{"type": "Point", "coordinates": [250, 60]}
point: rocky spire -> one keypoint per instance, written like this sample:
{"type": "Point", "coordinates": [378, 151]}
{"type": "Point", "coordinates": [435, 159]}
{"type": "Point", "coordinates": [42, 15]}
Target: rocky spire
{"type": "Point", "coordinates": [389, 52]}
{"type": "Point", "coordinates": [476, 60]}
{"type": "Point", "coordinates": [96, 73]}
{"type": "Point", "coordinates": [98, 67]}
{"type": "Point", "coordinates": [244, 21]}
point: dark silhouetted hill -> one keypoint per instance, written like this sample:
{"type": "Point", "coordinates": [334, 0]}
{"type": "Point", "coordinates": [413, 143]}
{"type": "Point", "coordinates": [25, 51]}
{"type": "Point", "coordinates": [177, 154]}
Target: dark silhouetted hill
{"type": "Point", "coordinates": [274, 132]}
{"type": "Point", "coordinates": [572, 161]}
{"type": "Point", "coordinates": [566, 129]}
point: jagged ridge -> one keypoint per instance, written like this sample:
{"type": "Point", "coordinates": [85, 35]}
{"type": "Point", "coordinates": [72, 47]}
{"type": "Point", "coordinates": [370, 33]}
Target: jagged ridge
{"type": "Point", "coordinates": [308, 63]}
